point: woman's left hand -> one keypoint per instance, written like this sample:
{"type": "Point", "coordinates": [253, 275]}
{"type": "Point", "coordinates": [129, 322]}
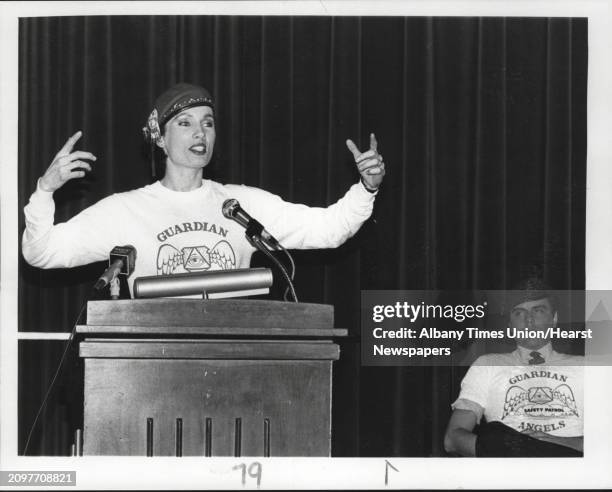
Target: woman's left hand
{"type": "Point", "coordinates": [370, 163]}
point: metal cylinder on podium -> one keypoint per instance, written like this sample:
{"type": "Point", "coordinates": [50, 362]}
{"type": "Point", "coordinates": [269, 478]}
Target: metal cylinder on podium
{"type": "Point", "coordinates": [250, 280]}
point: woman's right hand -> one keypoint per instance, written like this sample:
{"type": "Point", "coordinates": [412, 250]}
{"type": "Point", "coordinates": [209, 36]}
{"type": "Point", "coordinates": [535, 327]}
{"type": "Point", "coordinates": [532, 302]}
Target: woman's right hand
{"type": "Point", "coordinates": [66, 165]}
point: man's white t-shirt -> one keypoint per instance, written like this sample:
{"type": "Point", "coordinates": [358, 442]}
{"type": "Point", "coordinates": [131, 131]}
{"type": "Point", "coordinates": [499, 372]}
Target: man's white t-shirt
{"type": "Point", "coordinates": [546, 397]}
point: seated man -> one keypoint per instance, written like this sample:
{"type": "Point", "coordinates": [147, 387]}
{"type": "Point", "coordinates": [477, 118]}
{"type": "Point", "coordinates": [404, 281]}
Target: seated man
{"type": "Point", "coordinates": [531, 398]}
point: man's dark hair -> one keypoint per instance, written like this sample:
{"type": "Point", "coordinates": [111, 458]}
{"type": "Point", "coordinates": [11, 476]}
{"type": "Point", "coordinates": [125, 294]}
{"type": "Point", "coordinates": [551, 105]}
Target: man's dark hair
{"type": "Point", "coordinates": [530, 289]}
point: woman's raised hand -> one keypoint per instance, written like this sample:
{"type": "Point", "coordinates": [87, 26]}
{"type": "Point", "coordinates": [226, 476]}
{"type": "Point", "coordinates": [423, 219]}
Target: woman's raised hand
{"type": "Point", "coordinates": [66, 165]}
{"type": "Point", "coordinates": [369, 163]}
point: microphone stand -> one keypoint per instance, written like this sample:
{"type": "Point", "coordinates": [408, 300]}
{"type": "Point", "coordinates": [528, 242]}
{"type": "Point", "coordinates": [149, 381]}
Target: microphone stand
{"type": "Point", "coordinates": [258, 243]}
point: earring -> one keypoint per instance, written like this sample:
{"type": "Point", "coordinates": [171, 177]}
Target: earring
{"type": "Point", "coordinates": [152, 131]}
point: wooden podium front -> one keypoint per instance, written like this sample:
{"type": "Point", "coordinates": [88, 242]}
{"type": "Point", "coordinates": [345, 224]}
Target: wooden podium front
{"type": "Point", "coordinates": [189, 377]}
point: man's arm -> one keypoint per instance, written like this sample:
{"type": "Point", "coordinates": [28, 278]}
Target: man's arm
{"type": "Point", "coordinates": [460, 438]}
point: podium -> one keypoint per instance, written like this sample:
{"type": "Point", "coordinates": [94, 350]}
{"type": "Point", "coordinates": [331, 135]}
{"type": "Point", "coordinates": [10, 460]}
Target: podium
{"type": "Point", "coordinates": [190, 377]}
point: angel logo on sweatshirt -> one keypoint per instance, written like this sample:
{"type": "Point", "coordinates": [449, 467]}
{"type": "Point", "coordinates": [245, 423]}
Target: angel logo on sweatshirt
{"type": "Point", "coordinates": [543, 401]}
{"type": "Point", "coordinates": [194, 248]}
{"type": "Point", "coordinates": [540, 402]}
{"type": "Point", "coordinates": [195, 258]}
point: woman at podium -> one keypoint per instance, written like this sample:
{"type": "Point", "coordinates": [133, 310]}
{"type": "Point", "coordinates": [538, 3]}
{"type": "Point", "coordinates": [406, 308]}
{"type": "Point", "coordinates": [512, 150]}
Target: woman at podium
{"type": "Point", "coordinates": [176, 224]}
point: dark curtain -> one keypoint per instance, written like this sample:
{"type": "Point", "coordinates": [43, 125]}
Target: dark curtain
{"type": "Point", "coordinates": [481, 121]}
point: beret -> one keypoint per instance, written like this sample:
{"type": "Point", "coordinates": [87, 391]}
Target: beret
{"type": "Point", "coordinates": [174, 100]}
{"type": "Point", "coordinates": [179, 97]}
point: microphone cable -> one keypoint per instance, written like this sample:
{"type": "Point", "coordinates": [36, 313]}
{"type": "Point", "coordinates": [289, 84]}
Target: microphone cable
{"type": "Point", "coordinates": [53, 380]}
{"type": "Point", "coordinates": [289, 279]}
{"type": "Point", "coordinates": [292, 269]}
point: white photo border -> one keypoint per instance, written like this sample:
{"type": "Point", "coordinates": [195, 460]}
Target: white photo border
{"type": "Point", "coordinates": [592, 471]}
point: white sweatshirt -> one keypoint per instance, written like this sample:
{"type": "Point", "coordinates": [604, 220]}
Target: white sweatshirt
{"type": "Point", "coordinates": [176, 232]}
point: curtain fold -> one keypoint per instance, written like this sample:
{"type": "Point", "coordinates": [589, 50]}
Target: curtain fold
{"type": "Point", "coordinates": [481, 122]}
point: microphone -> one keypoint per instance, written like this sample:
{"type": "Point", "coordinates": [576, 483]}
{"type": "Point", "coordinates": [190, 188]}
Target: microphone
{"type": "Point", "coordinates": [120, 262]}
{"type": "Point", "coordinates": [232, 210]}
